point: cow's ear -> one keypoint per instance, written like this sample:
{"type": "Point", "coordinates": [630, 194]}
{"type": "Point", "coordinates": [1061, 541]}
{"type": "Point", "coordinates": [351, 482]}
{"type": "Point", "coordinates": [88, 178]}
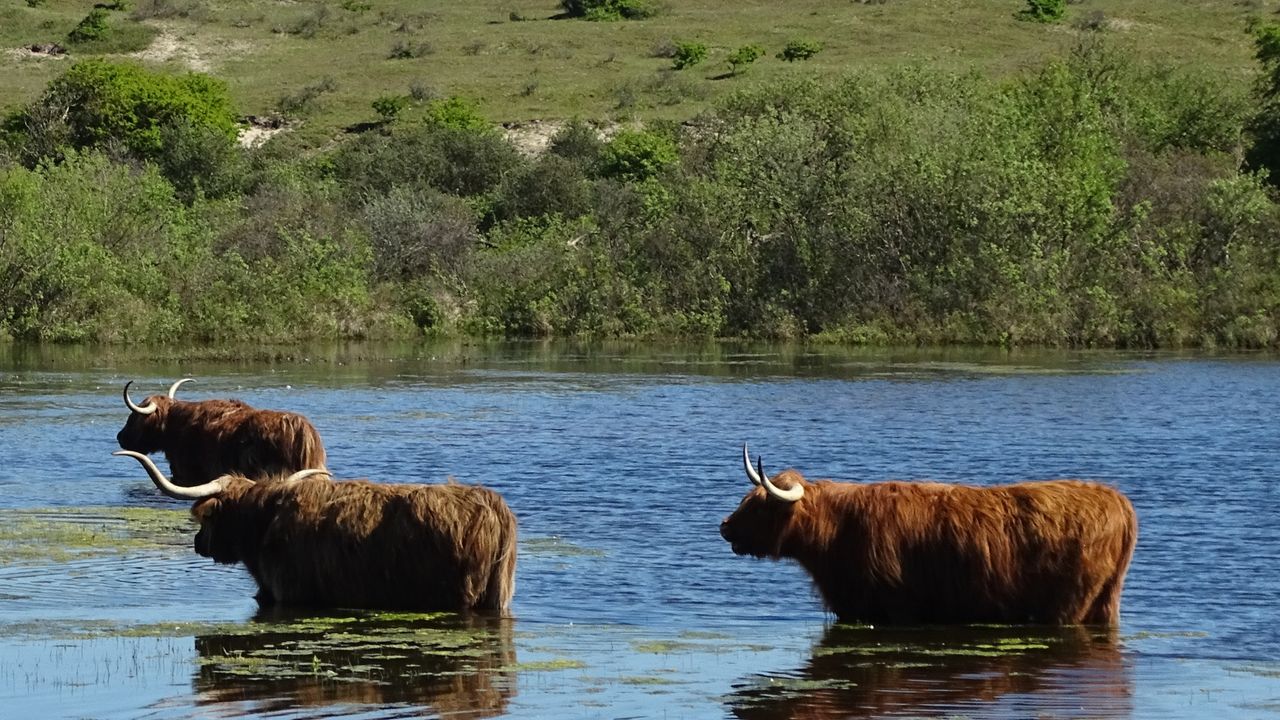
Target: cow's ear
{"type": "Point", "coordinates": [205, 508]}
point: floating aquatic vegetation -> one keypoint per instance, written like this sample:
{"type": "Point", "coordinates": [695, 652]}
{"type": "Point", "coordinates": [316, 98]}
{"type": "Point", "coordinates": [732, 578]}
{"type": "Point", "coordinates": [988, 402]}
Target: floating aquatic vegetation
{"type": "Point", "coordinates": [545, 665]}
{"type": "Point", "coordinates": [55, 535]}
{"type": "Point", "coordinates": [555, 546]}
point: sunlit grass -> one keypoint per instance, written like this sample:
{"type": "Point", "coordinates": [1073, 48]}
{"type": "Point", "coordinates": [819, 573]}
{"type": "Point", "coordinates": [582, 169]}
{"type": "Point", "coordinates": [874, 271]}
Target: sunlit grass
{"type": "Point", "coordinates": [520, 63]}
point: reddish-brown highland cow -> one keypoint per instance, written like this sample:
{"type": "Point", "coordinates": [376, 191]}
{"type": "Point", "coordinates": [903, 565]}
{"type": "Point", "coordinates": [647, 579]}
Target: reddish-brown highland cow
{"type": "Point", "coordinates": [310, 541]}
{"type": "Point", "coordinates": [210, 438]}
{"type": "Point", "coordinates": [1051, 552]}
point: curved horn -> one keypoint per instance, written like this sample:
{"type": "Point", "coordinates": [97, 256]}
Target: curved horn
{"type": "Point", "coordinates": [167, 487]}
{"type": "Point", "coordinates": [140, 409]}
{"type": "Point", "coordinates": [173, 389]}
{"type": "Point", "coordinates": [746, 463]}
{"type": "Point", "coordinates": [791, 495]}
{"type": "Point", "coordinates": [304, 474]}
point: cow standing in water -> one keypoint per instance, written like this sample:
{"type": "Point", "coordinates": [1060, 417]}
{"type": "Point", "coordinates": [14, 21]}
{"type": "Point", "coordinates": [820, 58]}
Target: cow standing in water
{"type": "Point", "coordinates": [1051, 552]}
{"type": "Point", "coordinates": [310, 541]}
{"type": "Point", "coordinates": [206, 439]}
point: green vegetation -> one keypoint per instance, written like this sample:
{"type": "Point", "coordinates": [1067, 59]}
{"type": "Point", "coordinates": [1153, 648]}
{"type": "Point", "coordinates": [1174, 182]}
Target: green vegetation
{"type": "Point", "coordinates": [800, 50]}
{"type": "Point", "coordinates": [1045, 11]}
{"type": "Point", "coordinates": [743, 57]}
{"type": "Point", "coordinates": [1265, 123]}
{"type": "Point", "coordinates": [607, 10]}
{"type": "Point", "coordinates": [688, 54]}
{"type": "Point", "coordinates": [55, 535]}
{"type": "Point", "coordinates": [1095, 199]}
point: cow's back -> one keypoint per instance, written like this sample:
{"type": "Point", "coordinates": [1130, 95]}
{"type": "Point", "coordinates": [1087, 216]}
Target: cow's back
{"type": "Point", "coordinates": [363, 544]}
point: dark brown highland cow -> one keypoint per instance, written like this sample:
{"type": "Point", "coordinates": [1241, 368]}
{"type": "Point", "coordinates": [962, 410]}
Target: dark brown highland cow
{"type": "Point", "coordinates": [210, 438]}
{"type": "Point", "coordinates": [311, 541]}
{"type": "Point", "coordinates": [1052, 552]}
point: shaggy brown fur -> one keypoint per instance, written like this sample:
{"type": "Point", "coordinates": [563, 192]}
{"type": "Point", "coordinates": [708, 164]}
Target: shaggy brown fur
{"type": "Point", "coordinates": [360, 544]}
{"type": "Point", "coordinates": [206, 439]}
{"type": "Point", "coordinates": [906, 552]}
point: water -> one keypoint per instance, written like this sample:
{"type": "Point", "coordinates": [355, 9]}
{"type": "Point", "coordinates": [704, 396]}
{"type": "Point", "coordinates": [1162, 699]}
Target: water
{"type": "Point", "coordinates": [620, 462]}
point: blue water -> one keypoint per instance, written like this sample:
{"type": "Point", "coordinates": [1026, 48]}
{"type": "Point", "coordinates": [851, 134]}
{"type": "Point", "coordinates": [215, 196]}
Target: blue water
{"type": "Point", "coordinates": [620, 463]}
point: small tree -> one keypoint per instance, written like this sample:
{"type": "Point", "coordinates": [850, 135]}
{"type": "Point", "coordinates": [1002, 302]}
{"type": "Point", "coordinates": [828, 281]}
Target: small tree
{"type": "Point", "coordinates": [800, 50]}
{"type": "Point", "coordinates": [744, 56]}
{"type": "Point", "coordinates": [389, 106]}
{"type": "Point", "coordinates": [1045, 11]}
{"type": "Point", "coordinates": [688, 54]}
{"type": "Point", "coordinates": [92, 27]}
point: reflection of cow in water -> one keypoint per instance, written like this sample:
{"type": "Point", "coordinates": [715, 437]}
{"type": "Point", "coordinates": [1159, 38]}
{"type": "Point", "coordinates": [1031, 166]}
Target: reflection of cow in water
{"type": "Point", "coordinates": [357, 544]}
{"type": "Point", "coordinates": [453, 666]}
{"type": "Point", "coordinates": [1052, 552]}
{"type": "Point", "coordinates": [205, 439]}
{"type": "Point", "coordinates": [1024, 672]}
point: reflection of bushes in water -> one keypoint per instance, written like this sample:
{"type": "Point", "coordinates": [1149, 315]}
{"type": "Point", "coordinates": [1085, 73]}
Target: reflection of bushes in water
{"type": "Point", "coordinates": [457, 666]}
{"type": "Point", "coordinates": [863, 672]}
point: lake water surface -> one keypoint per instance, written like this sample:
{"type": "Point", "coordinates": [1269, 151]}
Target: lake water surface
{"type": "Point", "coordinates": [620, 461]}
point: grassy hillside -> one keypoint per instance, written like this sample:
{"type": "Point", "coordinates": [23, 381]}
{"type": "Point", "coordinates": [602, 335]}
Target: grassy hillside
{"type": "Point", "coordinates": [330, 59]}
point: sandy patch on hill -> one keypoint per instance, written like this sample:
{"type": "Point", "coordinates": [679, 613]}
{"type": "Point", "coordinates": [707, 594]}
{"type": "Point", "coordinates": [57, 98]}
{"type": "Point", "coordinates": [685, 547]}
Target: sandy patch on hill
{"type": "Point", "coordinates": [199, 54]}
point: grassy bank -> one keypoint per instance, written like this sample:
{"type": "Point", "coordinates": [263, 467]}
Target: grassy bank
{"type": "Point", "coordinates": [520, 61]}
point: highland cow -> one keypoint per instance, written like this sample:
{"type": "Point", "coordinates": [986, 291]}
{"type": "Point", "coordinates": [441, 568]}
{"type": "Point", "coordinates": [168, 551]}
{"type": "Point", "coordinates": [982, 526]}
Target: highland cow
{"type": "Point", "coordinates": [1050, 552]}
{"type": "Point", "coordinates": [207, 439]}
{"type": "Point", "coordinates": [310, 541]}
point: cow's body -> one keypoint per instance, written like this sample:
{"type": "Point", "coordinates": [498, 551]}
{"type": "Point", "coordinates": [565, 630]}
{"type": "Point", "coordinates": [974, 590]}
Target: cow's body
{"type": "Point", "coordinates": [360, 544]}
{"type": "Point", "coordinates": [1051, 552]}
{"type": "Point", "coordinates": [310, 541]}
{"type": "Point", "coordinates": [206, 439]}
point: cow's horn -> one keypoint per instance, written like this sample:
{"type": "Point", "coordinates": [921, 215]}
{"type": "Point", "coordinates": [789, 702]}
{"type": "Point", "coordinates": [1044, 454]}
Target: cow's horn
{"type": "Point", "coordinates": [167, 487]}
{"type": "Point", "coordinates": [140, 409]}
{"type": "Point", "coordinates": [791, 495]}
{"type": "Point", "coordinates": [746, 463]}
{"type": "Point", "coordinates": [304, 474]}
{"type": "Point", "coordinates": [173, 389]}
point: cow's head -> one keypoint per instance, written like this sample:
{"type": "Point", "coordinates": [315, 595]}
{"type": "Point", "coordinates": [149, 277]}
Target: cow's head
{"type": "Point", "coordinates": [144, 429]}
{"type": "Point", "coordinates": [225, 520]}
{"type": "Point", "coordinates": [765, 516]}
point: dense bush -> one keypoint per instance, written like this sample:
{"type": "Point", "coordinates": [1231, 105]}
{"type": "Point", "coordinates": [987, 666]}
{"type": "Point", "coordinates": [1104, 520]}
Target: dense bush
{"type": "Point", "coordinates": [637, 155]}
{"type": "Point", "coordinates": [1265, 122]}
{"type": "Point", "coordinates": [609, 9]}
{"type": "Point", "coordinates": [165, 119]}
{"type": "Point", "coordinates": [1045, 11]}
{"type": "Point", "coordinates": [1095, 200]}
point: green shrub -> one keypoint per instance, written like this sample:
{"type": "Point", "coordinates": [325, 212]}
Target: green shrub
{"type": "Point", "coordinates": [92, 27]}
{"type": "Point", "coordinates": [799, 50]}
{"type": "Point", "coordinates": [1045, 11]}
{"type": "Point", "coordinates": [688, 54]}
{"type": "Point", "coordinates": [307, 99]}
{"type": "Point", "coordinates": [607, 10]}
{"type": "Point", "coordinates": [389, 106]}
{"type": "Point", "coordinates": [578, 142]}
{"type": "Point", "coordinates": [635, 155]}
{"type": "Point", "coordinates": [457, 113]}
{"type": "Point", "coordinates": [152, 116]}
{"type": "Point", "coordinates": [744, 56]}
{"type": "Point", "coordinates": [418, 234]}
{"type": "Point", "coordinates": [425, 156]}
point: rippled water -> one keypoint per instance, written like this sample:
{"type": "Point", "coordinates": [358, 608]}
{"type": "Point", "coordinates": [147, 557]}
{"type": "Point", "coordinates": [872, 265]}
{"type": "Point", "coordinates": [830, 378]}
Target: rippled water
{"type": "Point", "coordinates": [620, 462]}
